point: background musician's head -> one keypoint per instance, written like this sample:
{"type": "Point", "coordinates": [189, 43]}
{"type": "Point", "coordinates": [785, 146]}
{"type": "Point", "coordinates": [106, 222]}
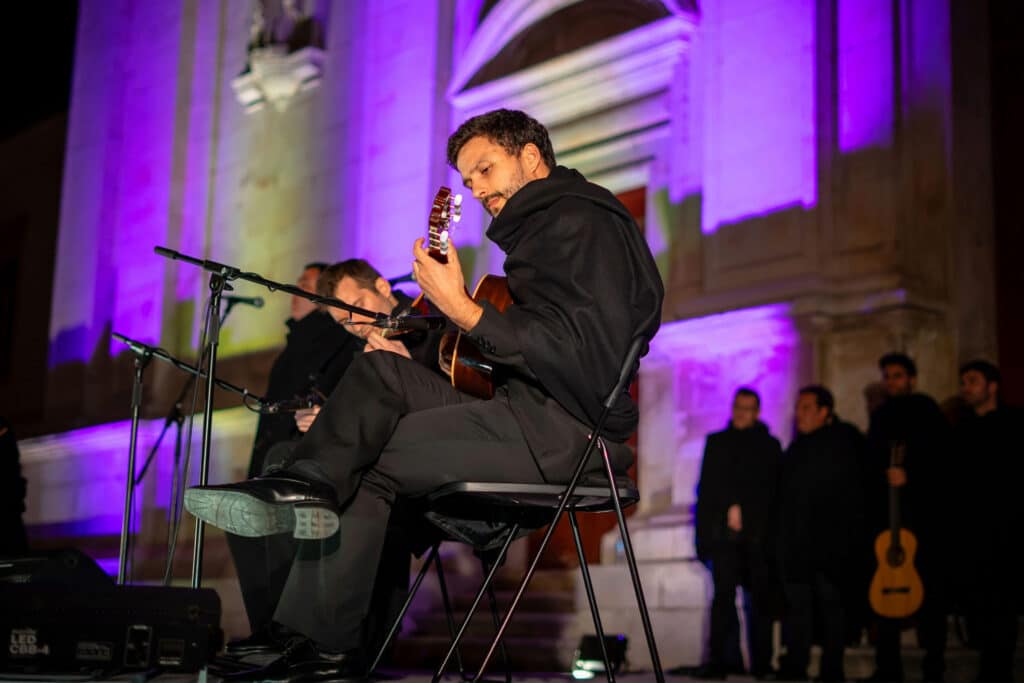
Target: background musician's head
{"type": "Point", "coordinates": [814, 406]}
{"type": "Point", "coordinates": [307, 283]}
{"type": "Point", "coordinates": [499, 152]}
{"type": "Point", "coordinates": [746, 408]}
{"type": "Point", "coordinates": [979, 386]}
{"type": "Point", "coordinates": [899, 374]}
{"type": "Point", "coordinates": [357, 283]}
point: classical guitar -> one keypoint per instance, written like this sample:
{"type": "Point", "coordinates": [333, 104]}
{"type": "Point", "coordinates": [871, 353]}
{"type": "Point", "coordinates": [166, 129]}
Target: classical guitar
{"type": "Point", "coordinates": [459, 357]}
{"type": "Point", "coordinates": [896, 590]}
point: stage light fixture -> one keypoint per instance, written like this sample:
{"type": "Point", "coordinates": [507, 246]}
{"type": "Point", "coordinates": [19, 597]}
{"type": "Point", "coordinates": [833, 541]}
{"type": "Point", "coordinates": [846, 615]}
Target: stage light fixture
{"type": "Point", "coordinates": [587, 660]}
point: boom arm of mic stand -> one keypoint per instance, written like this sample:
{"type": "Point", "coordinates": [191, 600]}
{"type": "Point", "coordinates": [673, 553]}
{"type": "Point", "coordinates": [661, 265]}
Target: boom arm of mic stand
{"type": "Point", "coordinates": [157, 352]}
{"type": "Point", "coordinates": [232, 273]}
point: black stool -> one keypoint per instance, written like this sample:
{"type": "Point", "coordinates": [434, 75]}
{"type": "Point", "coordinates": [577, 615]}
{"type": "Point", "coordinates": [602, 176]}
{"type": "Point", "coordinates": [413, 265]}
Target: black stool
{"type": "Point", "coordinates": [490, 515]}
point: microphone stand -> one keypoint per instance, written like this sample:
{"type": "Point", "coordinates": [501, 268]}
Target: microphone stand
{"type": "Point", "coordinates": [175, 416]}
{"type": "Point", "coordinates": [143, 354]}
{"type": "Point", "coordinates": [142, 358]}
{"type": "Point", "coordinates": [220, 276]}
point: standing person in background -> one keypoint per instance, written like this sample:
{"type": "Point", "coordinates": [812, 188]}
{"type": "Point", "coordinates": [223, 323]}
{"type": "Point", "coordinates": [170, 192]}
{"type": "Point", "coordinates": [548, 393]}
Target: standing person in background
{"type": "Point", "coordinates": [820, 522]}
{"type": "Point", "coordinates": [915, 420]}
{"type": "Point", "coordinates": [13, 540]}
{"type": "Point", "coordinates": [736, 505]}
{"type": "Point", "coordinates": [988, 442]}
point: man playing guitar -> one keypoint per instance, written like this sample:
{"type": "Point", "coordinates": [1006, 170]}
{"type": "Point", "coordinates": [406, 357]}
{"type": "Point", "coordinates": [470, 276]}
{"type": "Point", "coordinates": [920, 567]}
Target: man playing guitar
{"type": "Point", "coordinates": [583, 283]}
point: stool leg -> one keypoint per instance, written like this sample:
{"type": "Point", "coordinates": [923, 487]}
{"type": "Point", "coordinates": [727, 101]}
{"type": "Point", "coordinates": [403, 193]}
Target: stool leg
{"type": "Point", "coordinates": [591, 598]}
{"type": "Point", "coordinates": [566, 497]}
{"type": "Point", "coordinates": [476, 603]}
{"type": "Point", "coordinates": [405, 608]}
{"type": "Point", "coordinates": [448, 614]}
{"type": "Point", "coordinates": [634, 574]}
{"type": "Point", "coordinates": [497, 622]}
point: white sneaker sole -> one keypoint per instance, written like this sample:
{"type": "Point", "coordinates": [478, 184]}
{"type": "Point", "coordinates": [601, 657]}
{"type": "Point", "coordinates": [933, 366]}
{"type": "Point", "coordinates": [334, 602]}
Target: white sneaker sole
{"type": "Point", "coordinates": [245, 515]}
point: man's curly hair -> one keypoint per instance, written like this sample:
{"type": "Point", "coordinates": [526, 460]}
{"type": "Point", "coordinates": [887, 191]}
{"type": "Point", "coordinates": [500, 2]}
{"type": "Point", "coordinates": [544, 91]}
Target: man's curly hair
{"type": "Point", "coordinates": [511, 129]}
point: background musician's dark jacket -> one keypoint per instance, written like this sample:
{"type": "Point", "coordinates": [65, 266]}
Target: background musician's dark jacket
{"type": "Point", "coordinates": [317, 353]}
{"type": "Point", "coordinates": [917, 421]}
{"type": "Point", "coordinates": [989, 516]}
{"type": "Point", "coordinates": [820, 507]}
{"type": "Point", "coordinates": [583, 283]}
{"type": "Point", "coordinates": [740, 466]}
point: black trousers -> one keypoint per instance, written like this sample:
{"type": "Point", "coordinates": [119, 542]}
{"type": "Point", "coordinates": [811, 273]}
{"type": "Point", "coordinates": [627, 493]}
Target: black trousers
{"type": "Point", "coordinates": [931, 632]}
{"type": "Point", "coordinates": [408, 433]}
{"type": "Point", "coordinates": [990, 606]}
{"type": "Point", "coordinates": [820, 596]}
{"type": "Point", "coordinates": [732, 565]}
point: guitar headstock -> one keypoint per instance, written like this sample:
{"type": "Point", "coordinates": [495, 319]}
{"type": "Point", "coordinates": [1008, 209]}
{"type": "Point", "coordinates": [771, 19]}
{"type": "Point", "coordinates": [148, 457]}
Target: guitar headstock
{"type": "Point", "coordinates": [444, 212]}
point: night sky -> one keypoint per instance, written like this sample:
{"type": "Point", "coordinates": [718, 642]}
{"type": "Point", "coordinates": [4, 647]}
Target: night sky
{"type": "Point", "coordinates": [40, 41]}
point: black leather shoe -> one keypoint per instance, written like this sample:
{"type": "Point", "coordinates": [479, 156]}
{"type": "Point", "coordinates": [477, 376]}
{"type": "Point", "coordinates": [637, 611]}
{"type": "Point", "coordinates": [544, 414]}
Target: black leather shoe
{"type": "Point", "coordinates": [259, 643]}
{"type": "Point", "coordinates": [268, 505]}
{"type": "Point", "coordinates": [317, 665]}
{"type": "Point", "coordinates": [272, 639]}
{"type": "Point", "coordinates": [710, 673]}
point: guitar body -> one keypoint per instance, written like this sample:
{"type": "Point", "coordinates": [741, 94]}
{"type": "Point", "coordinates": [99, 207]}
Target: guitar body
{"type": "Point", "coordinates": [460, 358]}
{"type": "Point", "coordinates": [896, 590]}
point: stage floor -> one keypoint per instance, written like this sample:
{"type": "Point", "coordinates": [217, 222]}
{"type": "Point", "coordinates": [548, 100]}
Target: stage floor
{"type": "Point", "coordinates": [404, 677]}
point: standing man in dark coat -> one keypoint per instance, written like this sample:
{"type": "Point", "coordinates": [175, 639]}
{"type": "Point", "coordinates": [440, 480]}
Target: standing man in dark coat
{"type": "Point", "coordinates": [736, 510]}
{"type": "Point", "coordinates": [820, 521]}
{"type": "Point", "coordinates": [988, 443]}
{"type": "Point", "coordinates": [915, 420]}
{"type": "Point", "coordinates": [13, 540]}
{"type": "Point", "coordinates": [583, 284]}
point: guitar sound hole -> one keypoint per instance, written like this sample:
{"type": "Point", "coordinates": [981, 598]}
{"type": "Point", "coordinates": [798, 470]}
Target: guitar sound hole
{"type": "Point", "coordinates": [895, 557]}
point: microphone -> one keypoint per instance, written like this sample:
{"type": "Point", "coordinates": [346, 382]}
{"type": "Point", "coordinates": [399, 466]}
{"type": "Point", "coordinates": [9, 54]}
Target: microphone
{"type": "Point", "coordinates": [401, 278]}
{"type": "Point", "coordinates": [254, 301]}
{"type": "Point", "coordinates": [290, 405]}
{"type": "Point", "coordinates": [406, 323]}
{"type": "Point", "coordinates": [136, 347]}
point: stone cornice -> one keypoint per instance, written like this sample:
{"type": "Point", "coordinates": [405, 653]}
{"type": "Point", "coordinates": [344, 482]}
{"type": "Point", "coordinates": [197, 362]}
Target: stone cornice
{"type": "Point", "coordinates": [596, 78]}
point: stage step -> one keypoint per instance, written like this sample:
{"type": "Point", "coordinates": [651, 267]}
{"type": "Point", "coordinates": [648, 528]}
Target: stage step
{"type": "Point", "coordinates": [534, 638]}
{"type": "Point", "coordinates": [524, 653]}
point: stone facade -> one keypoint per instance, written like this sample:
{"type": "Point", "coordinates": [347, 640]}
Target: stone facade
{"type": "Point", "coordinates": [807, 165]}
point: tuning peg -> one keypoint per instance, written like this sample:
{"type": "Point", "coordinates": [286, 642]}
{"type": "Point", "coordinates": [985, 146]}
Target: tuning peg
{"type": "Point", "coordinates": [457, 200]}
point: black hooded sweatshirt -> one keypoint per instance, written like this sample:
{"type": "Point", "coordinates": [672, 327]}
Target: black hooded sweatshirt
{"type": "Point", "coordinates": [583, 284]}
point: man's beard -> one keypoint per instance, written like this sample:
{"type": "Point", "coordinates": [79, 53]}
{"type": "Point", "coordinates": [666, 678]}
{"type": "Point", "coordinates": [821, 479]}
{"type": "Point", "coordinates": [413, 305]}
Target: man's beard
{"type": "Point", "coordinates": [514, 186]}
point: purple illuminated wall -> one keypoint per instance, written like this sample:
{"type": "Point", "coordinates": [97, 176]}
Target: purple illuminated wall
{"type": "Point", "coordinates": [866, 74]}
{"type": "Point", "coordinates": [759, 151]}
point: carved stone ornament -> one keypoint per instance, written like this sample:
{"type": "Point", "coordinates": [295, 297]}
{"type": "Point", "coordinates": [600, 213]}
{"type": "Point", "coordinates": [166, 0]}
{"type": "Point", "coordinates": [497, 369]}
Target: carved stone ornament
{"type": "Point", "coordinates": [285, 56]}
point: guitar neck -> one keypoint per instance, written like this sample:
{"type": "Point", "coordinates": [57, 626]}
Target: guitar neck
{"type": "Point", "coordinates": [894, 515]}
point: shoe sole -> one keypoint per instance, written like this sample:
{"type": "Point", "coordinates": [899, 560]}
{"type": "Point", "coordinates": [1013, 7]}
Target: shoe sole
{"type": "Point", "coordinates": [246, 515]}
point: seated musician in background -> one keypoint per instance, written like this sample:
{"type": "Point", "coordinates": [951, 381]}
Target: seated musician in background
{"type": "Point", "coordinates": [316, 353]}
{"type": "Point", "coordinates": [584, 284]}
{"type": "Point", "coordinates": [317, 341]}
{"type": "Point", "coordinates": [358, 283]}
